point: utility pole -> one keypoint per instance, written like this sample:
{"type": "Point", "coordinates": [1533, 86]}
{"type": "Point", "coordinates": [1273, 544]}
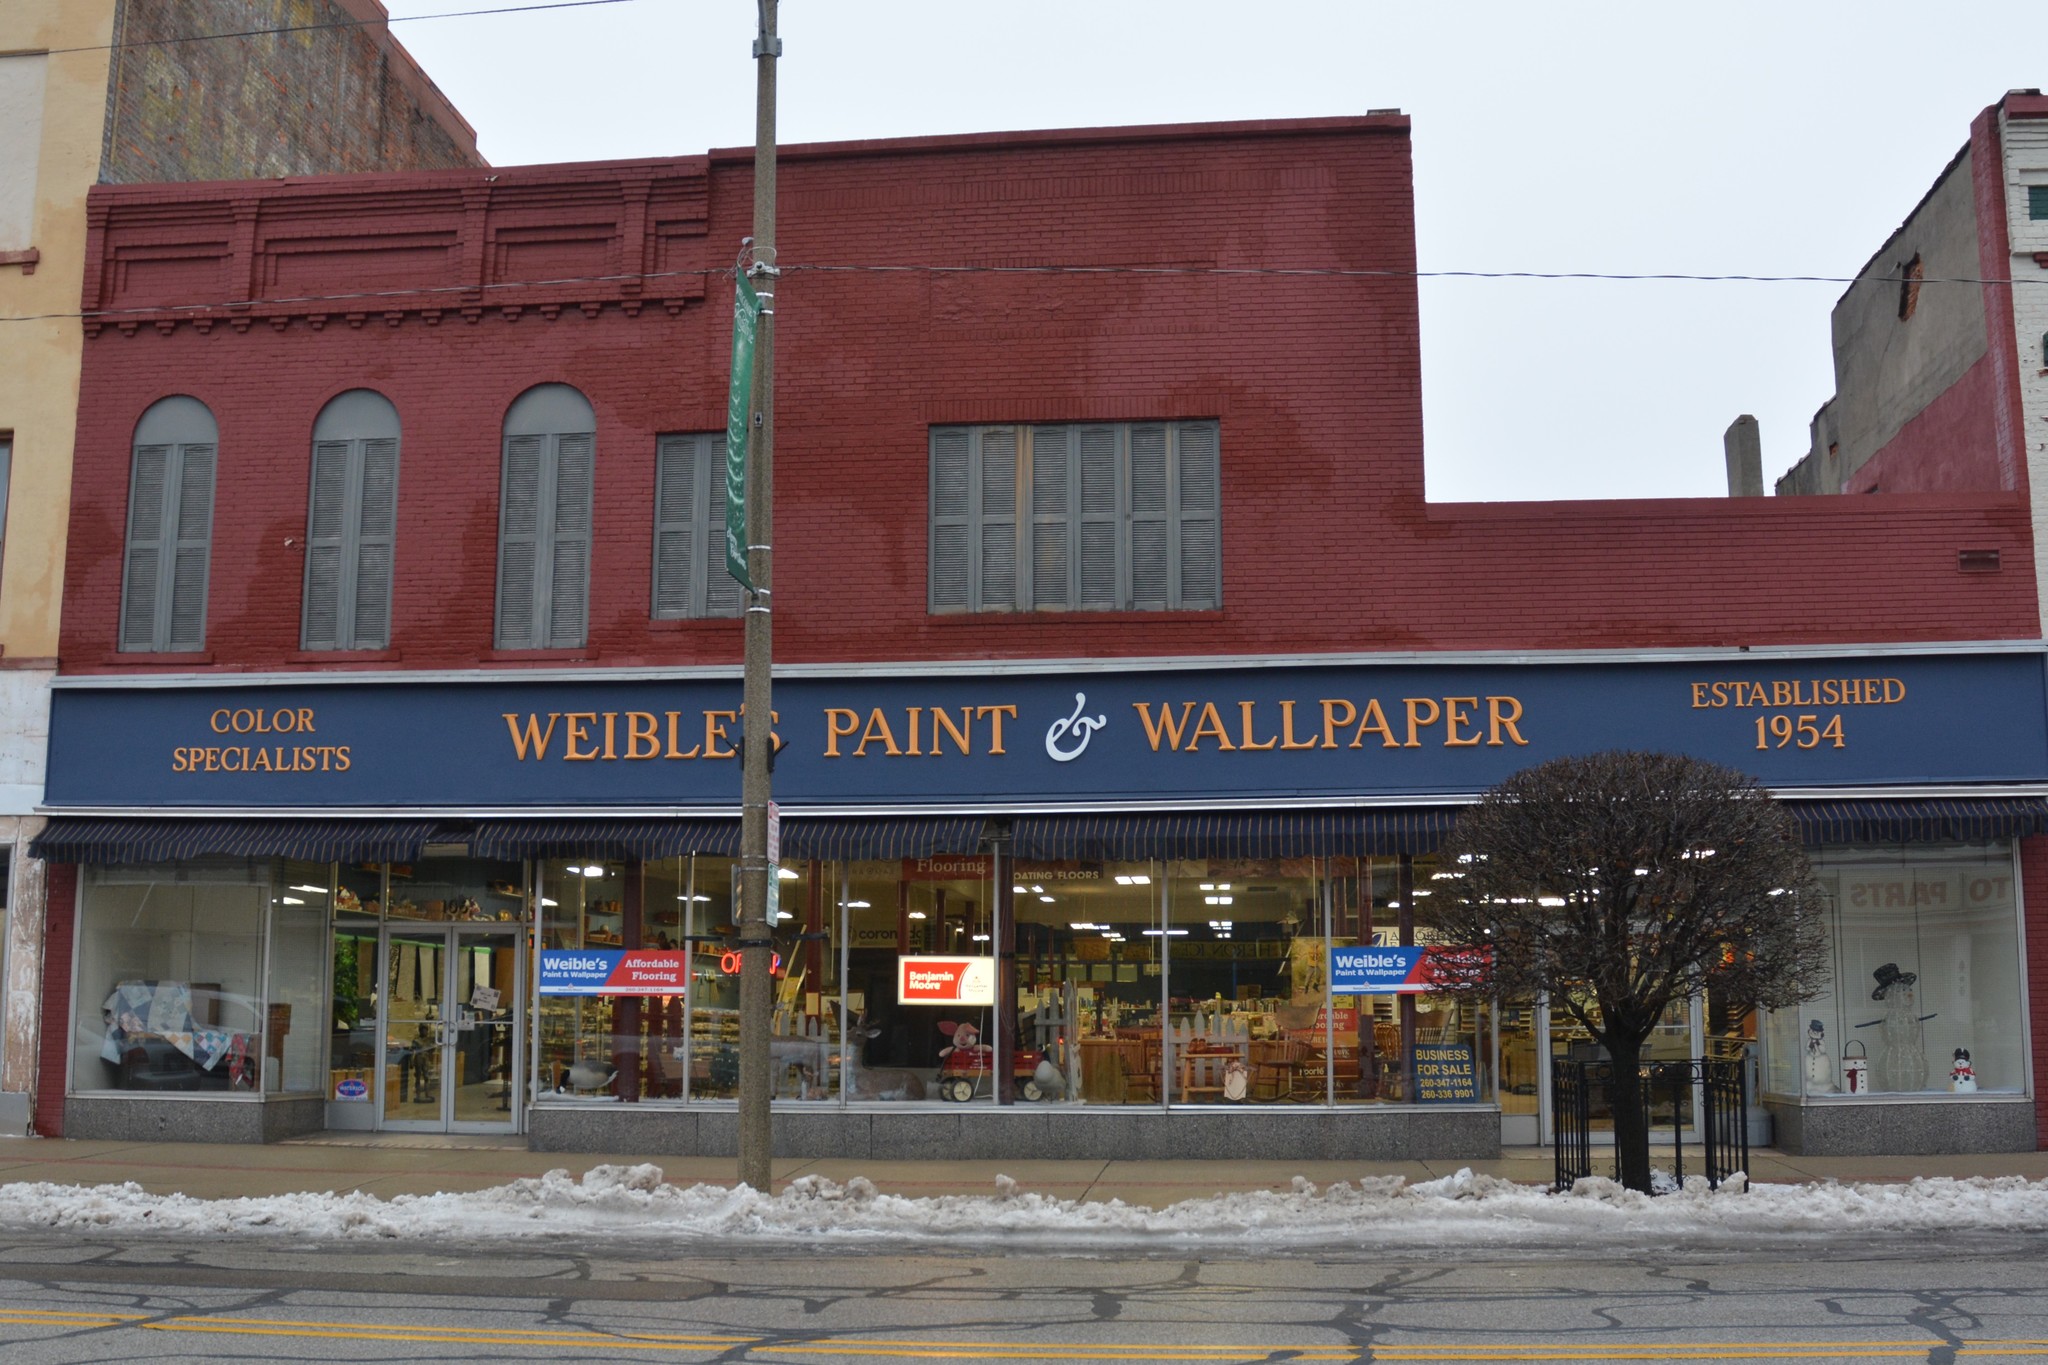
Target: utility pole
{"type": "Point", "coordinates": [757, 872]}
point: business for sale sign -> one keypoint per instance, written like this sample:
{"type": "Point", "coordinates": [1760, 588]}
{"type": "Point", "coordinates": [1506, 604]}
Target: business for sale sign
{"type": "Point", "coordinates": [946, 980]}
{"type": "Point", "coordinates": [611, 971]}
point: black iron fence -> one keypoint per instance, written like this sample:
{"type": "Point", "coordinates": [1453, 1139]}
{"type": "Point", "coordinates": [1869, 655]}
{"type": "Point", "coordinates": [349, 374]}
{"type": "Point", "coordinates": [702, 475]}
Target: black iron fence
{"type": "Point", "coordinates": [1580, 1089]}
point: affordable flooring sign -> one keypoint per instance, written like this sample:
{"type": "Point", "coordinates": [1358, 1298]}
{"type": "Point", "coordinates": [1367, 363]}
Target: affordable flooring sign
{"type": "Point", "coordinates": [611, 971]}
{"type": "Point", "coordinates": [1389, 971]}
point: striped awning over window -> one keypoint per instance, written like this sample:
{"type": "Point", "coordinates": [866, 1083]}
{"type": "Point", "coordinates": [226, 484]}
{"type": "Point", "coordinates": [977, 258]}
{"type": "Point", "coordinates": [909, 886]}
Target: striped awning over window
{"type": "Point", "coordinates": [1251, 834]}
{"type": "Point", "coordinates": [106, 841]}
{"type": "Point", "coordinates": [802, 837]}
{"type": "Point", "coordinates": [1923, 820]}
{"type": "Point", "coordinates": [880, 837]}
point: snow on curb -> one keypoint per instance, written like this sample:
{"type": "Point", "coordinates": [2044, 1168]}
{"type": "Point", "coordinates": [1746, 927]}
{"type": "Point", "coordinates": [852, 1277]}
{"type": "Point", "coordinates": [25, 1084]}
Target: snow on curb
{"type": "Point", "coordinates": [1462, 1209]}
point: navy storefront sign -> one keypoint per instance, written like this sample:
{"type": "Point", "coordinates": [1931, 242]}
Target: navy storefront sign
{"type": "Point", "coordinates": [1250, 734]}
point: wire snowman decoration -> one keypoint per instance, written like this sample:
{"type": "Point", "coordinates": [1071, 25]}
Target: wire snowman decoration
{"type": "Point", "coordinates": [1902, 1041]}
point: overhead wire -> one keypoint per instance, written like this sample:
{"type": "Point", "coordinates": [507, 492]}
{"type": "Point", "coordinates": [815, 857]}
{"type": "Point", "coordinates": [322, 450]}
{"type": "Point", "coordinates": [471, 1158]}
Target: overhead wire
{"type": "Point", "coordinates": [830, 268]}
{"type": "Point", "coordinates": [334, 24]}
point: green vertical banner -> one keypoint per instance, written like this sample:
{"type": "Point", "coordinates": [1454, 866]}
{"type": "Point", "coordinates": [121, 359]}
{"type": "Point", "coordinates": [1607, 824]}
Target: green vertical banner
{"type": "Point", "coordinates": [739, 413]}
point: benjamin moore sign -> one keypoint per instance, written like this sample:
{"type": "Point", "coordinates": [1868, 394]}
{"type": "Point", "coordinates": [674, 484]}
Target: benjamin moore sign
{"type": "Point", "coordinates": [1221, 734]}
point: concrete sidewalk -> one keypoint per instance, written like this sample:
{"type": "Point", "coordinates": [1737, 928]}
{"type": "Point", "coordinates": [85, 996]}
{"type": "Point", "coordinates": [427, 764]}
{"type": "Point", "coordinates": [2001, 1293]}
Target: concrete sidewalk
{"type": "Point", "coordinates": [387, 1166]}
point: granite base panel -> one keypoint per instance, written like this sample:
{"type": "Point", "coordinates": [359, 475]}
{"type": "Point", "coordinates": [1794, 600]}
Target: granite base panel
{"type": "Point", "coordinates": [1019, 1135]}
{"type": "Point", "coordinates": [1905, 1128]}
{"type": "Point", "coordinates": [159, 1120]}
{"type": "Point", "coordinates": [16, 1109]}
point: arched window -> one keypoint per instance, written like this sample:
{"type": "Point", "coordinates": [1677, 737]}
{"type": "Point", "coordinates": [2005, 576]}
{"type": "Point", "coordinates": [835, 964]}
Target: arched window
{"type": "Point", "coordinates": [170, 528]}
{"type": "Point", "coordinates": [544, 520]}
{"type": "Point", "coordinates": [351, 523]}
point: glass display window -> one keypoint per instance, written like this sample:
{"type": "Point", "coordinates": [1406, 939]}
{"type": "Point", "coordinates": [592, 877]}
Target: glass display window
{"type": "Point", "coordinates": [1091, 984]}
{"type": "Point", "coordinates": [1925, 996]}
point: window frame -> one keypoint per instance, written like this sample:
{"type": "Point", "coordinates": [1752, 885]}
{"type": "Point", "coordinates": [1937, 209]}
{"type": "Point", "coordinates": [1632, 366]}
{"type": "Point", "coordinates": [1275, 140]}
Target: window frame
{"type": "Point", "coordinates": [966, 527]}
{"type": "Point", "coordinates": [164, 427]}
{"type": "Point", "coordinates": [560, 417]}
{"type": "Point", "coordinates": [708, 592]}
{"type": "Point", "coordinates": [347, 420]}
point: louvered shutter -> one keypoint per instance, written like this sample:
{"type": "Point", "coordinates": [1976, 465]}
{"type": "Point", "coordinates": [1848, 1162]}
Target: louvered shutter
{"type": "Point", "coordinates": [722, 592]}
{"type": "Point", "coordinates": [519, 541]}
{"type": "Point", "coordinates": [952, 548]}
{"type": "Point", "coordinates": [1097, 518]}
{"type": "Point", "coordinates": [997, 520]}
{"type": "Point", "coordinates": [326, 543]}
{"type": "Point", "coordinates": [1199, 533]}
{"type": "Point", "coordinates": [569, 577]}
{"type": "Point", "coordinates": [144, 565]}
{"type": "Point", "coordinates": [187, 627]}
{"type": "Point", "coordinates": [677, 464]}
{"type": "Point", "coordinates": [1151, 530]}
{"type": "Point", "coordinates": [376, 545]}
{"type": "Point", "coordinates": [1052, 530]}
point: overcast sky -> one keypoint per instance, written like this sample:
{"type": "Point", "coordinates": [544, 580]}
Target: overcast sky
{"type": "Point", "coordinates": [1740, 138]}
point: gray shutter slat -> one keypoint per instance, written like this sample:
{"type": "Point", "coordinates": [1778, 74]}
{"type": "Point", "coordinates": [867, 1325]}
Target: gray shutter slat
{"type": "Point", "coordinates": [722, 592]}
{"type": "Point", "coordinates": [951, 536]}
{"type": "Point", "coordinates": [1097, 518]}
{"type": "Point", "coordinates": [326, 522]}
{"type": "Point", "coordinates": [1051, 517]}
{"type": "Point", "coordinates": [569, 595]}
{"type": "Point", "coordinates": [376, 545]}
{"type": "Point", "coordinates": [145, 546]}
{"type": "Point", "coordinates": [998, 520]}
{"type": "Point", "coordinates": [518, 540]}
{"type": "Point", "coordinates": [676, 460]}
{"type": "Point", "coordinates": [1150, 539]}
{"type": "Point", "coordinates": [1199, 533]}
{"type": "Point", "coordinates": [194, 538]}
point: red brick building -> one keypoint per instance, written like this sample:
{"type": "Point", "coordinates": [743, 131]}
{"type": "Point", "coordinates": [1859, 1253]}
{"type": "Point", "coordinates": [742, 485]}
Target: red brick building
{"type": "Point", "coordinates": [1129, 412]}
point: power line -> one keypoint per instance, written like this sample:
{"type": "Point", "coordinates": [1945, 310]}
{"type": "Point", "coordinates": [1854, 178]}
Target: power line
{"type": "Point", "coordinates": [1242, 272]}
{"type": "Point", "coordinates": [339, 23]}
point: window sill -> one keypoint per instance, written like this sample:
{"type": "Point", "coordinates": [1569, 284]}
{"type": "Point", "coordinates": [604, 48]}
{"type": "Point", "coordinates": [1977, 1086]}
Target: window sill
{"type": "Point", "coordinates": [1073, 616]}
{"type": "Point", "coordinates": [344, 656]}
{"type": "Point", "coordinates": [124, 658]}
{"type": "Point", "coordinates": [540, 656]}
{"type": "Point", "coordinates": [671, 624]}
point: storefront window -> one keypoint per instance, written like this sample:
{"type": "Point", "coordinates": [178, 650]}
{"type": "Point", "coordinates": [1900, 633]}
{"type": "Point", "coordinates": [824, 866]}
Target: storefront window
{"type": "Point", "coordinates": [1925, 996]}
{"type": "Point", "coordinates": [299, 968]}
{"type": "Point", "coordinates": [1091, 984]}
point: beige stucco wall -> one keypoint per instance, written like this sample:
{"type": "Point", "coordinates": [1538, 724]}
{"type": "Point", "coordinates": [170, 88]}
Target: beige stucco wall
{"type": "Point", "coordinates": [39, 382]}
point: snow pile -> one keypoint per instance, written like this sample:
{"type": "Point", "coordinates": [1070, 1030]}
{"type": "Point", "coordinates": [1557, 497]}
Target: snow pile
{"type": "Point", "coordinates": [1458, 1210]}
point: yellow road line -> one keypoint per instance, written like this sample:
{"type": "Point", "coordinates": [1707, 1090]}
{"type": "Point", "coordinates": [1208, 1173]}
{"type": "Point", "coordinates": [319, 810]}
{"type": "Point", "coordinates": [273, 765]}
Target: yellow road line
{"type": "Point", "coordinates": [25, 1316]}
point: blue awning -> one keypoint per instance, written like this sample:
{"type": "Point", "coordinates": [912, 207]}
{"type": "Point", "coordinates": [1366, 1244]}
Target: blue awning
{"type": "Point", "coordinates": [1924, 820]}
{"type": "Point", "coordinates": [109, 840]}
{"type": "Point", "coordinates": [851, 840]}
{"type": "Point", "coordinates": [1250, 834]}
{"type": "Point", "coordinates": [823, 838]}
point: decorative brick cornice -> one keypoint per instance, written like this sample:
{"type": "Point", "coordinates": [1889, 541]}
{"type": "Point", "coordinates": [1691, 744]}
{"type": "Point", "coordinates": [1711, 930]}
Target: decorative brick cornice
{"type": "Point", "coordinates": [27, 260]}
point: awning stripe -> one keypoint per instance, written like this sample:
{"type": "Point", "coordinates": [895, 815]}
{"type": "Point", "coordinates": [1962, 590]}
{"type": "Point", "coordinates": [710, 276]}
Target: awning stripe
{"type": "Point", "coordinates": [1926, 820]}
{"type": "Point", "coordinates": [1251, 834]}
{"type": "Point", "coordinates": [107, 841]}
{"type": "Point", "coordinates": [635, 838]}
{"type": "Point", "coordinates": [852, 840]}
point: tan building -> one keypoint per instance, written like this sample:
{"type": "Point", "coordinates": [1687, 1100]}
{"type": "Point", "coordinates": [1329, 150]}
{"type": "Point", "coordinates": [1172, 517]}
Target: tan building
{"type": "Point", "coordinates": [124, 91]}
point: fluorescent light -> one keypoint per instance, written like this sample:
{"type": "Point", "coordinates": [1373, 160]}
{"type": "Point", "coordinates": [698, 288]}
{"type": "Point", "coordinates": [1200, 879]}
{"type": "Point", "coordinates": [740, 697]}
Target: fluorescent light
{"type": "Point", "coordinates": [1140, 879]}
{"type": "Point", "coordinates": [680, 898]}
{"type": "Point", "coordinates": [856, 905]}
{"type": "Point", "coordinates": [594, 870]}
{"type": "Point", "coordinates": [1038, 890]}
{"type": "Point", "coordinates": [1046, 899]}
{"type": "Point", "coordinates": [1420, 893]}
{"type": "Point", "coordinates": [1085, 925]}
{"type": "Point", "coordinates": [1552, 901]}
{"type": "Point", "coordinates": [981, 938]}
{"type": "Point", "coordinates": [314, 890]}
{"type": "Point", "coordinates": [781, 915]}
{"type": "Point", "coordinates": [915, 914]}
{"type": "Point", "coordinates": [1166, 933]}
{"type": "Point", "coordinates": [1223, 886]}
{"type": "Point", "coordinates": [1125, 879]}
{"type": "Point", "coordinates": [1208, 886]}
{"type": "Point", "coordinates": [785, 874]}
{"type": "Point", "coordinates": [1393, 905]}
{"type": "Point", "coordinates": [1020, 890]}
{"type": "Point", "coordinates": [291, 900]}
{"type": "Point", "coordinates": [545, 901]}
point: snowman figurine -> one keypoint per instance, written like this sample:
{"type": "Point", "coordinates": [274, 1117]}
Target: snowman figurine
{"type": "Point", "coordinates": [1820, 1068]}
{"type": "Point", "coordinates": [1962, 1077]}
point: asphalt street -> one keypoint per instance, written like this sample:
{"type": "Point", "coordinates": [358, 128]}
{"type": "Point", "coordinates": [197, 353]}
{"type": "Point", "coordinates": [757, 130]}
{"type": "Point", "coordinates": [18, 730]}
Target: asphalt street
{"type": "Point", "coordinates": [75, 1299]}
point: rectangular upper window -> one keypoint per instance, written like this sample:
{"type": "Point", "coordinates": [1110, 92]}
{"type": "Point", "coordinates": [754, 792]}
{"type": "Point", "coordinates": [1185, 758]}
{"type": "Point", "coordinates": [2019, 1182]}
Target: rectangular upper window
{"type": "Point", "coordinates": [690, 577]}
{"type": "Point", "coordinates": [2037, 201]}
{"type": "Point", "coordinates": [1102, 516]}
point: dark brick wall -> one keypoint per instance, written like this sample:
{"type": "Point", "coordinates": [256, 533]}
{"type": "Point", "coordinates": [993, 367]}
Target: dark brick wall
{"type": "Point", "coordinates": [60, 932]}
{"type": "Point", "coordinates": [306, 103]}
{"type": "Point", "coordinates": [2034, 873]}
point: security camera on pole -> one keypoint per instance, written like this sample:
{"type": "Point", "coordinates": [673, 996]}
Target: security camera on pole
{"type": "Point", "coordinates": [749, 528]}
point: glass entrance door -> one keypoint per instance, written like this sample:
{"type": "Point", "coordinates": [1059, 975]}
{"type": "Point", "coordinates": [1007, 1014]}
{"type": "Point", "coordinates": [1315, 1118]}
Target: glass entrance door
{"type": "Point", "coordinates": [451, 1034]}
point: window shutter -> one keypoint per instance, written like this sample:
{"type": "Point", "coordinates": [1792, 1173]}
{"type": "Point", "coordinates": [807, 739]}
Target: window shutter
{"type": "Point", "coordinates": [569, 578]}
{"type": "Point", "coordinates": [519, 541]}
{"type": "Point", "coordinates": [1098, 518]}
{"type": "Point", "coordinates": [998, 520]}
{"type": "Point", "coordinates": [194, 539]}
{"type": "Point", "coordinates": [376, 541]}
{"type": "Point", "coordinates": [1052, 528]}
{"type": "Point", "coordinates": [1151, 568]}
{"type": "Point", "coordinates": [146, 508]}
{"type": "Point", "coordinates": [677, 462]}
{"type": "Point", "coordinates": [326, 518]}
{"type": "Point", "coordinates": [1200, 534]}
{"type": "Point", "coordinates": [722, 592]}
{"type": "Point", "coordinates": [951, 530]}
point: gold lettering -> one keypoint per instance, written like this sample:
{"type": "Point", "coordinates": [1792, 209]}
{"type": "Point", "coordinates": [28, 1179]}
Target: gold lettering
{"type": "Point", "coordinates": [1210, 724]}
{"type": "Point", "coordinates": [1245, 709]}
{"type": "Point", "coordinates": [1454, 716]}
{"type": "Point", "coordinates": [1720, 694]}
{"type": "Point", "coordinates": [241, 755]}
{"type": "Point", "coordinates": [674, 719]}
{"type": "Point", "coordinates": [995, 716]}
{"type": "Point", "coordinates": [1501, 715]}
{"type": "Point", "coordinates": [220, 724]}
{"type": "Point", "coordinates": [835, 731]}
{"type": "Point", "coordinates": [611, 725]}
{"type": "Point", "coordinates": [877, 732]}
{"type": "Point", "coordinates": [916, 712]}
{"type": "Point", "coordinates": [341, 759]}
{"type": "Point", "coordinates": [642, 728]}
{"type": "Point", "coordinates": [306, 720]}
{"type": "Point", "coordinates": [1332, 722]}
{"type": "Point", "coordinates": [1699, 692]}
{"type": "Point", "coordinates": [1416, 719]}
{"type": "Point", "coordinates": [1287, 739]}
{"type": "Point", "coordinates": [577, 731]}
{"type": "Point", "coordinates": [532, 737]}
{"type": "Point", "coordinates": [962, 734]}
{"type": "Point", "coordinates": [714, 732]}
{"type": "Point", "coordinates": [1167, 727]}
{"type": "Point", "coordinates": [178, 761]}
{"type": "Point", "coordinates": [1781, 693]}
{"type": "Point", "coordinates": [1894, 691]}
{"type": "Point", "coordinates": [1375, 720]}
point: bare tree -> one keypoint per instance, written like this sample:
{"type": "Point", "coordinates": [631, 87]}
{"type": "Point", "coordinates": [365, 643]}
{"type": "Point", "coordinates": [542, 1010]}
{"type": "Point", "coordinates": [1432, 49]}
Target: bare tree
{"type": "Point", "coordinates": [1619, 883]}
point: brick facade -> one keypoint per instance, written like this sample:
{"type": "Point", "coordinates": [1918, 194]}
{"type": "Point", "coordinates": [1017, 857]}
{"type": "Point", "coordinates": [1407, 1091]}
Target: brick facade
{"type": "Point", "coordinates": [1328, 544]}
{"type": "Point", "coordinates": [61, 927]}
{"type": "Point", "coordinates": [314, 101]}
